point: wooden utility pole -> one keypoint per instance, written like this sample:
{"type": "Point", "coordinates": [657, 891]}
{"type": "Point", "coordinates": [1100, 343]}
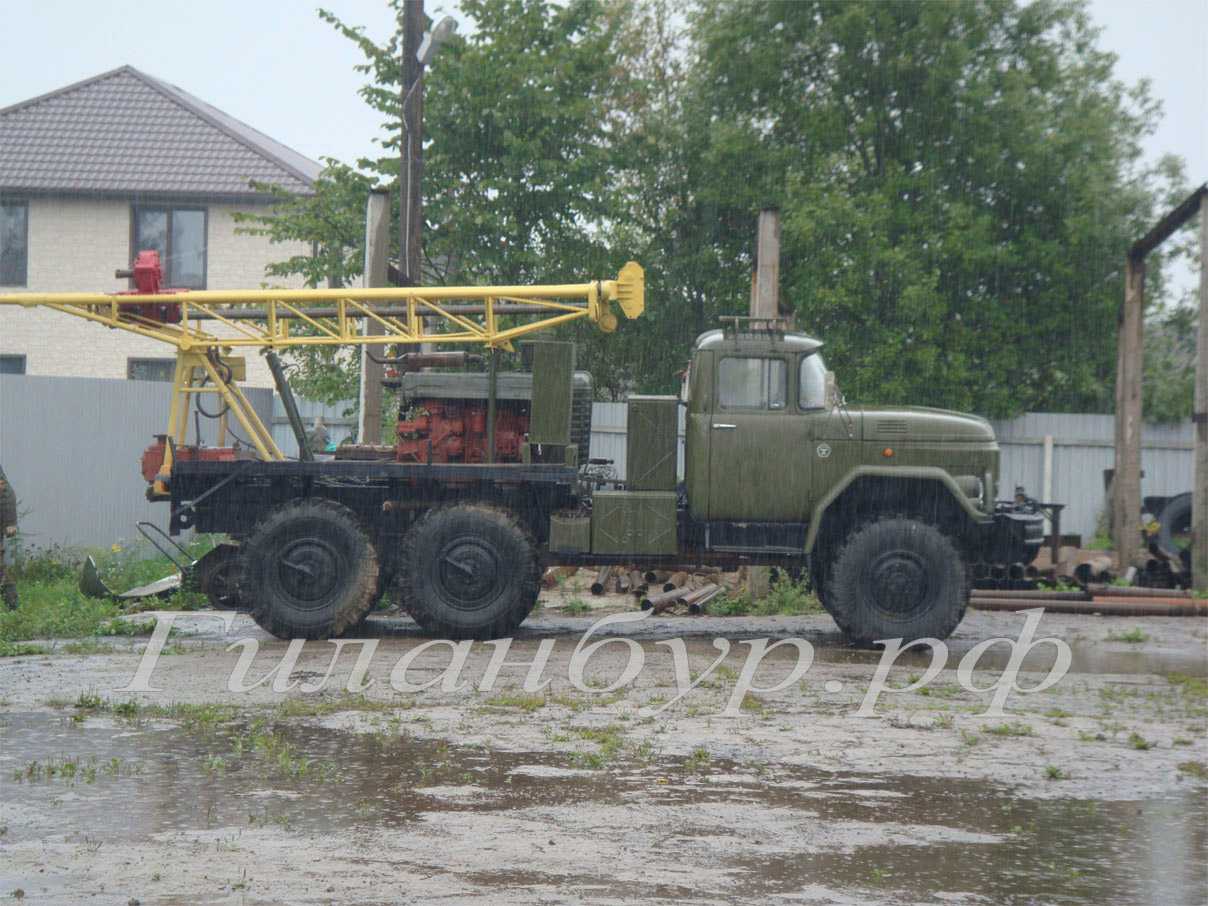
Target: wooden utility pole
{"type": "Point", "coordinates": [1199, 496]}
{"type": "Point", "coordinates": [765, 303]}
{"type": "Point", "coordinates": [1126, 478]}
{"type": "Point", "coordinates": [377, 253]}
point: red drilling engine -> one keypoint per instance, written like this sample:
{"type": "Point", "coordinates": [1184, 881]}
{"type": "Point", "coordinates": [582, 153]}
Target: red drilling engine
{"type": "Point", "coordinates": [444, 415]}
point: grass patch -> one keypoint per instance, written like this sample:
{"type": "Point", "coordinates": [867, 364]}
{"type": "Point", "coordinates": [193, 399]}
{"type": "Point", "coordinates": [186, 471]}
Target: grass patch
{"type": "Point", "coordinates": [21, 649]}
{"type": "Point", "coordinates": [52, 606]}
{"type": "Point", "coordinates": [1196, 769]}
{"type": "Point", "coordinates": [1190, 686]}
{"type": "Point", "coordinates": [785, 598]}
{"type": "Point", "coordinates": [517, 700]}
{"type": "Point", "coordinates": [1134, 636]}
{"type": "Point", "coordinates": [1011, 729]}
{"type": "Point", "coordinates": [576, 606]}
{"type": "Point", "coordinates": [698, 759]}
{"type": "Point", "coordinates": [1139, 742]}
{"type": "Point", "coordinates": [1052, 772]}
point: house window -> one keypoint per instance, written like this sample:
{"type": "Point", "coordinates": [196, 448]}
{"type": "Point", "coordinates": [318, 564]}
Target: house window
{"type": "Point", "coordinates": [12, 364]}
{"type": "Point", "coordinates": [151, 369]}
{"type": "Point", "coordinates": [14, 243]}
{"type": "Point", "coordinates": [179, 235]}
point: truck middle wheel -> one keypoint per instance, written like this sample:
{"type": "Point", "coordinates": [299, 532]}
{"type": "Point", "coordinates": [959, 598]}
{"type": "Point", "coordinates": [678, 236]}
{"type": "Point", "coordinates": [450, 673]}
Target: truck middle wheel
{"type": "Point", "coordinates": [897, 577]}
{"type": "Point", "coordinates": [469, 571]}
{"type": "Point", "coordinates": [308, 570]}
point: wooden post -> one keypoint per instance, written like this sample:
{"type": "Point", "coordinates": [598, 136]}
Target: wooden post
{"type": "Point", "coordinates": [765, 303]}
{"type": "Point", "coordinates": [1199, 495]}
{"type": "Point", "coordinates": [377, 250]}
{"type": "Point", "coordinates": [1126, 480]}
{"type": "Point", "coordinates": [411, 205]}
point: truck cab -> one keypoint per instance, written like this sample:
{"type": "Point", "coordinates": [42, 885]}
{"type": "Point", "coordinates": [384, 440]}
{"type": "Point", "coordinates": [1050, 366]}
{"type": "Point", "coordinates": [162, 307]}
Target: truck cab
{"type": "Point", "coordinates": [888, 505]}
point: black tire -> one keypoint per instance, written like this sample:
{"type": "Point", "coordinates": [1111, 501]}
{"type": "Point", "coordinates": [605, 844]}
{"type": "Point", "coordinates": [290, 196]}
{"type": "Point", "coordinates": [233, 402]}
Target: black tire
{"type": "Point", "coordinates": [309, 570]}
{"type": "Point", "coordinates": [897, 577]}
{"type": "Point", "coordinates": [1174, 529]}
{"type": "Point", "coordinates": [469, 571]}
{"type": "Point", "coordinates": [217, 577]}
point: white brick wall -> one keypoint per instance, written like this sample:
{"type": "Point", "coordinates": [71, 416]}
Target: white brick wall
{"type": "Point", "coordinates": [75, 245]}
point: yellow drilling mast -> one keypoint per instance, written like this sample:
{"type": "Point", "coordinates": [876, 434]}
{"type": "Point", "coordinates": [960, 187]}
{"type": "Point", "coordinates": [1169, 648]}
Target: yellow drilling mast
{"type": "Point", "coordinates": [272, 319]}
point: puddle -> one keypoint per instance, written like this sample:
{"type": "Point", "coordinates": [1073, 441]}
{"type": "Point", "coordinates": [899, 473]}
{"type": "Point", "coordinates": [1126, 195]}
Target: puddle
{"type": "Point", "coordinates": [787, 831]}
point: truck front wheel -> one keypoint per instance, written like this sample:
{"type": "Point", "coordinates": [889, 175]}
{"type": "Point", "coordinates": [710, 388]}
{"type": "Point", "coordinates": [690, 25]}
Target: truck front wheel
{"type": "Point", "coordinates": [897, 577]}
{"type": "Point", "coordinates": [469, 571]}
{"type": "Point", "coordinates": [308, 570]}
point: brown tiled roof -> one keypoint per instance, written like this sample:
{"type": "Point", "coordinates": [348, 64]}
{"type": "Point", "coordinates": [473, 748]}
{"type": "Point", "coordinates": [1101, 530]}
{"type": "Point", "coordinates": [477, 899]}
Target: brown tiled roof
{"type": "Point", "coordinates": [125, 132]}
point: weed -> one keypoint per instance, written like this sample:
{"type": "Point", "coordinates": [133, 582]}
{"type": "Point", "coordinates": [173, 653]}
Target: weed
{"type": "Point", "coordinates": [20, 649]}
{"type": "Point", "coordinates": [698, 759]}
{"type": "Point", "coordinates": [1011, 729]}
{"type": "Point", "coordinates": [1057, 713]}
{"type": "Point", "coordinates": [1180, 741]}
{"type": "Point", "coordinates": [576, 606]}
{"type": "Point", "coordinates": [1196, 769]}
{"type": "Point", "coordinates": [1086, 736]}
{"type": "Point", "coordinates": [89, 701]}
{"type": "Point", "coordinates": [785, 598]}
{"type": "Point", "coordinates": [1191, 686]}
{"type": "Point", "coordinates": [753, 704]}
{"type": "Point", "coordinates": [943, 721]}
{"type": "Point", "coordinates": [522, 701]}
{"type": "Point", "coordinates": [1134, 636]}
{"type": "Point", "coordinates": [1137, 741]}
{"type": "Point", "coordinates": [969, 738]}
{"type": "Point", "coordinates": [1052, 772]}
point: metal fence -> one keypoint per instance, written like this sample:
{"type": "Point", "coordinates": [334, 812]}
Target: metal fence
{"type": "Point", "coordinates": [72, 448]}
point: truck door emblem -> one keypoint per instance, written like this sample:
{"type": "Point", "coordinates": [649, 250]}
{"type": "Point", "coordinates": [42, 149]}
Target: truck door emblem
{"type": "Point", "coordinates": [824, 451]}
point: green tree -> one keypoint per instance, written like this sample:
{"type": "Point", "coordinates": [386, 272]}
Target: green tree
{"type": "Point", "coordinates": [959, 183]}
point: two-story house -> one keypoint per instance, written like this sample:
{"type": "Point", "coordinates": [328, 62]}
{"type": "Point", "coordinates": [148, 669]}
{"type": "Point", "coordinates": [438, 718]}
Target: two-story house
{"type": "Point", "coordinates": [94, 172]}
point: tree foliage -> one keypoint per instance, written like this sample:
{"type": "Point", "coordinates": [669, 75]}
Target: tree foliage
{"type": "Point", "coordinates": [958, 182]}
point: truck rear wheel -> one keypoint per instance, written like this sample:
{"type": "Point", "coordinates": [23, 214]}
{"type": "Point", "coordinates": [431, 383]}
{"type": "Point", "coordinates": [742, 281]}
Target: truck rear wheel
{"type": "Point", "coordinates": [308, 570]}
{"type": "Point", "coordinates": [469, 571]}
{"type": "Point", "coordinates": [897, 577]}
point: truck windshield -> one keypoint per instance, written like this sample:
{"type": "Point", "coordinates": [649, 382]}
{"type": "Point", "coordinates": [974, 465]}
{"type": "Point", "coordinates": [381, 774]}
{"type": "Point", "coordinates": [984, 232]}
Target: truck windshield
{"type": "Point", "coordinates": [811, 392]}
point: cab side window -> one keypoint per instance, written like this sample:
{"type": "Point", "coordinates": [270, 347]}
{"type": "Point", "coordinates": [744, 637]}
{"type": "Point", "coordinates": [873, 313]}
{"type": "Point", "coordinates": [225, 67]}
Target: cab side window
{"type": "Point", "coordinates": [751, 383]}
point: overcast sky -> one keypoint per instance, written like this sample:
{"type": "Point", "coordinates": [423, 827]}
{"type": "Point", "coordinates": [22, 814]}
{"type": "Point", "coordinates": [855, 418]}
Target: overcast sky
{"type": "Point", "coordinates": [275, 65]}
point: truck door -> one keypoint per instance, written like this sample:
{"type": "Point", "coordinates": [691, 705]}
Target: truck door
{"type": "Point", "coordinates": [757, 472]}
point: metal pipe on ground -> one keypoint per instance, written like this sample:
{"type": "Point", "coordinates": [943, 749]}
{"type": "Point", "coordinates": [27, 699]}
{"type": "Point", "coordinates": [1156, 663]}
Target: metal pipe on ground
{"type": "Point", "coordinates": [1156, 607]}
{"type": "Point", "coordinates": [700, 597]}
{"type": "Point", "coordinates": [637, 584]}
{"type": "Point", "coordinates": [599, 586]}
{"type": "Point", "coordinates": [1118, 591]}
{"type": "Point", "coordinates": [1038, 595]}
{"type": "Point", "coordinates": [660, 602]}
{"type": "Point", "coordinates": [677, 580]}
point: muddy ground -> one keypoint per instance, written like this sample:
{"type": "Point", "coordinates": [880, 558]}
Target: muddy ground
{"type": "Point", "coordinates": [1092, 791]}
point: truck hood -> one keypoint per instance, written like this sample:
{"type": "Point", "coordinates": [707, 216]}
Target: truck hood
{"type": "Point", "coordinates": [923, 423]}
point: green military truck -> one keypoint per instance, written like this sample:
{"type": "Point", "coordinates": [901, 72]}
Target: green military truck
{"type": "Point", "coordinates": [887, 508]}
